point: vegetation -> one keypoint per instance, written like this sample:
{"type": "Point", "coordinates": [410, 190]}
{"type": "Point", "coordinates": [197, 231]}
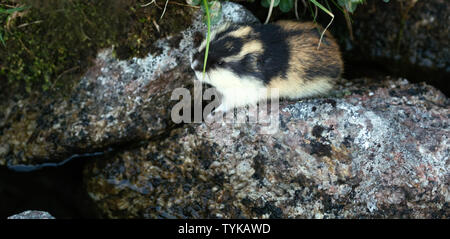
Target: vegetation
{"type": "Point", "coordinates": [48, 44]}
{"type": "Point", "coordinates": [8, 12]}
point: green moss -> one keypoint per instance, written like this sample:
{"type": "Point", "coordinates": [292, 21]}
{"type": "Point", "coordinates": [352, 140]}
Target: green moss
{"type": "Point", "coordinates": [54, 42]}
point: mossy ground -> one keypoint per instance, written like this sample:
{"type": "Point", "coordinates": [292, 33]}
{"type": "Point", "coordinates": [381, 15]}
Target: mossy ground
{"type": "Point", "coordinates": [50, 45]}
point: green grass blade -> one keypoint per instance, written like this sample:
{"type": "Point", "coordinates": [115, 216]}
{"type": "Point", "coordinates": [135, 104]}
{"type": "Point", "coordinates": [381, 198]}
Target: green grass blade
{"type": "Point", "coordinates": [322, 7]}
{"type": "Point", "coordinates": [12, 10]}
{"type": "Point", "coordinates": [208, 19]}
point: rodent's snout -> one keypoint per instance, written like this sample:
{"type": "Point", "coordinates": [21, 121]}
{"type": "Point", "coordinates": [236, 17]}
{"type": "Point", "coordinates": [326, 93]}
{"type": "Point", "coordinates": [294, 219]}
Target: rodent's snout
{"type": "Point", "coordinates": [195, 64]}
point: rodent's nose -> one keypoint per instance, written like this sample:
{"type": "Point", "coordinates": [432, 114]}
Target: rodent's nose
{"type": "Point", "coordinates": [194, 65]}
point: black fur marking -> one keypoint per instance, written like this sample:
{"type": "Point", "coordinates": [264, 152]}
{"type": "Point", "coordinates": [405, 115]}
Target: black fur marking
{"type": "Point", "coordinates": [275, 58]}
{"type": "Point", "coordinates": [218, 51]}
{"type": "Point", "coordinates": [276, 51]}
{"type": "Point", "coordinates": [274, 61]}
{"type": "Point", "coordinates": [245, 67]}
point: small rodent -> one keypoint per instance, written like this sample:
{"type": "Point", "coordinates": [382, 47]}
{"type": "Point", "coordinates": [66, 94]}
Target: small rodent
{"type": "Point", "coordinates": [245, 60]}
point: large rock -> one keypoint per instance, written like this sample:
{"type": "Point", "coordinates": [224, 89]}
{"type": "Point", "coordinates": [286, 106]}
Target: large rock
{"type": "Point", "coordinates": [115, 103]}
{"type": "Point", "coordinates": [368, 152]}
{"type": "Point", "coordinates": [380, 151]}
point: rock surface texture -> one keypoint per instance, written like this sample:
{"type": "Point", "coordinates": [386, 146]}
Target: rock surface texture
{"type": "Point", "coordinates": [407, 37]}
{"type": "Point", "coordinates": [115, 102]}
{"type": "Point", "coordinates": [32, 215]}
{"type": "Point", "coordinates": [370, 154]}
{"type": "Point", "coordinates": [370, 150]}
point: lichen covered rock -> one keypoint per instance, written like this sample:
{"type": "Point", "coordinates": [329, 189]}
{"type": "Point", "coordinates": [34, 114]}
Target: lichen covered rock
{"type": "Point", "coordinates": [369, 152]}
{"type": "Point", "coordinates": [115, 103]}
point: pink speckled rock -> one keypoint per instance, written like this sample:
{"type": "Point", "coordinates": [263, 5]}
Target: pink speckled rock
{"type": "Point", "coordinates": [374, 150]}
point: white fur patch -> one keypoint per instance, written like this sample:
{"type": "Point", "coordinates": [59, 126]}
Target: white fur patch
{"type": "Point", "coordinates": [241, 91]}
{"type": "Point", "coordinates": [236, 91]}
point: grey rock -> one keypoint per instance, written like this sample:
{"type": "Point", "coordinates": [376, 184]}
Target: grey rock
{"type": "Point", "coordinates": [32, 215]}
{"type": "Point", "coordinates": [422, 37]}
{"type": "Point", "coordinates": [371, 150]}
{"type": "Point", "coordinates": [407, 37]}
{"type": "Point", "coordinates": [376, 150]}
{"type": "Point", "coordinates": [116, 102]}
{"type": "Point", "coordinates": [232, 12]}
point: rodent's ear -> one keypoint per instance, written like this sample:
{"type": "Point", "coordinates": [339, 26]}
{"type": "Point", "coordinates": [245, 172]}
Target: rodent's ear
{"type": "Point", "coordinates": [198, 38]}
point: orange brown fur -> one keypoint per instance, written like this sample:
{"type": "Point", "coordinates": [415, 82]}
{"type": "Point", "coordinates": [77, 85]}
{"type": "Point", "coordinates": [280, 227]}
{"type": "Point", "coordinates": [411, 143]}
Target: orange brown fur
{"type": "Point", "coordinates": [246, 60]}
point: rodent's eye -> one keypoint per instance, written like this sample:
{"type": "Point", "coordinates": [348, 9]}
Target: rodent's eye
{"type": "Point", "coordinates": [220, 63]}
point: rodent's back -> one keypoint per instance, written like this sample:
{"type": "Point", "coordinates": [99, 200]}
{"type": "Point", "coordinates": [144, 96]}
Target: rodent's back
{"type": "Point", "coordinates": [284, 56]}
{"type": "Point", "coordinates": [325, 60]}
{"type": "Point", "coordinates": [312, 69]}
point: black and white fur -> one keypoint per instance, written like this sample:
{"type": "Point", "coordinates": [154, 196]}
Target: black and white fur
{"type": "Point", "coordinates": [246, 62]}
